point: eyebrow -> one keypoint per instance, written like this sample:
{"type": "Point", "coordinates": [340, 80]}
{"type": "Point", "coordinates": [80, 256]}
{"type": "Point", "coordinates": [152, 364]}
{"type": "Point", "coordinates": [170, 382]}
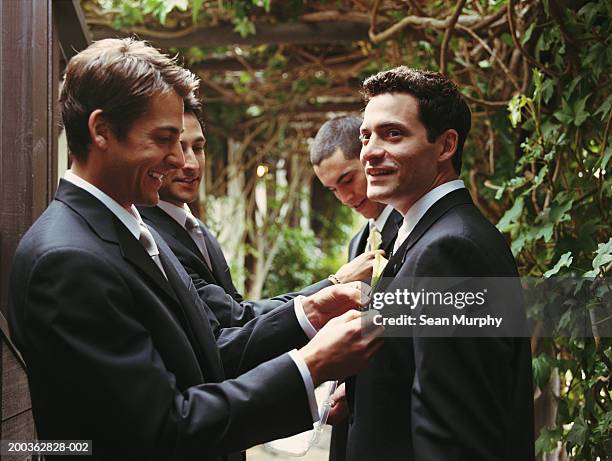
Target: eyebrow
{"type": "Point", "coordinates": [172, 129]}
{"type": "Point", "coordinates": [343, 175]}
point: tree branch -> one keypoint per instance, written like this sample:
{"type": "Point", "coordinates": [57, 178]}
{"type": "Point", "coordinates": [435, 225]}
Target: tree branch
{"type": "Point", "coordinates": [447, 34]}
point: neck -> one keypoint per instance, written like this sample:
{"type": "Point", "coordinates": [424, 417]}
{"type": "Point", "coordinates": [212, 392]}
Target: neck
{"type": "Point", "coordinates": [441, 178]}
{"type": "Point", "coordinates": [84, 171]}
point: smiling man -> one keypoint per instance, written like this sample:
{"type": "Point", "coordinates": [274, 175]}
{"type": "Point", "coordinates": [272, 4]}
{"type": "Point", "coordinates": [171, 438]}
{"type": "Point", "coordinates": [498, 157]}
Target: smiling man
{"type": "Point", "coordinates": [334, 155]}
{"type": "Point", "coordinates": [120, 349]}
{"type": "Point", "coordinates": [435, 398]}
{"type": "Point", "coordinates": [199, 251]}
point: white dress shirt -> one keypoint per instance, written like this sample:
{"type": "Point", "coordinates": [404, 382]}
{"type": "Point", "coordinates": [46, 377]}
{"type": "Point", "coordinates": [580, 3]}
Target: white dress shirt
{"type": "Point", "coordinates": [420, 207]}
{"type": "Point", "coordinates": [132, 220]}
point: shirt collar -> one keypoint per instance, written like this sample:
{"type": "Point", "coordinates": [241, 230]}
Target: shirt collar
{"type": "Point", "coordinates": [179, 214]}
{"type": "Point", "coordinates": [130, 219]}
{"type": "Point", "coordinates": [420, 207]}
{"type": "Point", "coordinates": [380, 222]}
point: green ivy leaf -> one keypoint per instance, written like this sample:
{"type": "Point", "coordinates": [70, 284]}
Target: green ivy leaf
{"type": "Point", "coordinates": [580, 115]}
{"type": "Point", "coordinates": [564, 261]}
{"type": "Point", "coordinates": [548, 440]}
{"type": "Point", "coordinates": [604, 108]}
{"type": "Point", "coordinates": [196, 6]}
{"type": "Point", "coordinates": [244, 27]}
{"type": "Point", "coordinates": [603, 256]}
{"type": "Point", "coordinates": [541, 370]}
{"type": "Point", "coordinates": [515, 107]}
{"type": "Point", "coordinates": [579, 431]}
{"type": "Point", "coordinates": [511, 216]}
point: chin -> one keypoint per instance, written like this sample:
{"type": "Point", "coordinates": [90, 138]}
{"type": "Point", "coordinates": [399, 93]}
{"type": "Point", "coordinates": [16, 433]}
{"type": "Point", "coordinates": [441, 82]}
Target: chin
{"type": "Point", "coordinates": [376, 194]}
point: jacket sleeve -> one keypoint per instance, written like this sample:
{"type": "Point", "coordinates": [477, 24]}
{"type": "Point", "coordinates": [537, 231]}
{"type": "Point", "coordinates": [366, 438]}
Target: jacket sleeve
{"type": "Point", "coordinates": [93, 365]}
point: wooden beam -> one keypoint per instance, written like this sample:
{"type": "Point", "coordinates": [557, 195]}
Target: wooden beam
{"type": "Point", "coordinates": [231, 64]}
{"type": "Point", "coordinates": [74, 35]}
{"type": "Point", "coordinates": [284, 33]}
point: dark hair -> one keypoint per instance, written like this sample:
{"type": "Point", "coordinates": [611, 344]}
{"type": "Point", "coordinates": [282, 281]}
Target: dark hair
{"type": "Point", "coordinates": [338, 133]}
{"type": "Point", "coordinates": [118, 76]}
{"type": "Point", "coordinates": [193, 106]}
{"type": "Point", "coordinates": [441, 106]}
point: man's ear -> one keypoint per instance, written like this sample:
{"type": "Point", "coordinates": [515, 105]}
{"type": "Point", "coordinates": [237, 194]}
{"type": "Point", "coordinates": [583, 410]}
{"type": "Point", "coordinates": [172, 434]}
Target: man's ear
{"type": "Point", "coordinates": [99, 129]}
{"type": "Point", "coordinates": [449, 140]}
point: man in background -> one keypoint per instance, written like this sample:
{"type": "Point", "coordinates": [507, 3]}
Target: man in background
{"type": "Point", "coordinates": [199, 251]}
{"type": "Point", "coordinates": [334, 155]}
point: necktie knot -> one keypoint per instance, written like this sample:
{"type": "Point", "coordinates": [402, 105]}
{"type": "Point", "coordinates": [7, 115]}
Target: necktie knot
{"type": "Point", "coordinates": [191, 222]}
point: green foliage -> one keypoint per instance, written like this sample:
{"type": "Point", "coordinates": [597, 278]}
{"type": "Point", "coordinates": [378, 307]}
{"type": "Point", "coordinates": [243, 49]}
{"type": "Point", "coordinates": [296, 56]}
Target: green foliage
{"type": "Point", "coordinates": [560, 211]}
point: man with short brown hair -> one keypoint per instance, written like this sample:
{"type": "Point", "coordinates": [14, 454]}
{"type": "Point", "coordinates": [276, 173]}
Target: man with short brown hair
{"type": "Point", "coordinates": [120, 349]}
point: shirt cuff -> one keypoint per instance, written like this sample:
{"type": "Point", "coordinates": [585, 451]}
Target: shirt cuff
{"type": "Point", "coordinates": [308, 384]}
{"type": "Point", "coordinates": [309, 330]}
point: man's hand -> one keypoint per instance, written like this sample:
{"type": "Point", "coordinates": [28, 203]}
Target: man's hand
{"type": "Point", "coordinates": [342, 348]}
{"type": "Point", "coordinates": [333, 301]}
{"type": "Point", "coordinates": [359, 268]}
{"type": "Point", "coordinates": [339, 409]}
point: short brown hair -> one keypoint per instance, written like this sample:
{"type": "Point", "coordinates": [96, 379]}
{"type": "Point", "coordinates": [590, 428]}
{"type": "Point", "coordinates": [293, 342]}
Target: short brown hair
{"type": "Point", "coordinates": [441, 106]}
{"type": "Point", "coordinates": [118, 76]}
{"type": "Point", "coordinates": [337, 133]}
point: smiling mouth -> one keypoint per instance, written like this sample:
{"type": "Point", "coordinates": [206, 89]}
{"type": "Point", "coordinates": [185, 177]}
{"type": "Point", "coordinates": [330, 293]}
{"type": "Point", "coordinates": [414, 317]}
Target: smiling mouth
{"type": "Point", "coordinates": [378, 172]}
{"type": "Point", "coordinates": [187, 180]}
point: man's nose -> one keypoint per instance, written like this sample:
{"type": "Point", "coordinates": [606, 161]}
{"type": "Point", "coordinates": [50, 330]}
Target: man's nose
{"type": "Point", "coordinates": [345, 196]}
{"type": "Point", "coordinates": [373, 150]}
{"type": "Point", "coordinates": [176, 158]}
{"type": "Point", "coordinates": [190, 160]}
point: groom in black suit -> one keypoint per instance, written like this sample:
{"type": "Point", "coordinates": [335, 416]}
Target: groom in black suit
{"type": "Point", "coordinates": [199, 251]}
{"type": "Point", "coordinates": [334, 154]}
{"type": "Point", "coordinates": [120, 349]}
{"type": "Point", "coordinates": [435, 398]}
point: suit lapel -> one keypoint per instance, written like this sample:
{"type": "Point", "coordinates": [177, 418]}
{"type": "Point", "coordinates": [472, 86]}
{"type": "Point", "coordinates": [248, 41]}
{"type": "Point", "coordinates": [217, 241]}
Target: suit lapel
{"type": "Point", "coordinates": [133, 251]}
{"type": "Point", "coordinates": [165, 224]}
{"type": "Point", "coordinates": [359, 243]}
{"type": "Point", "coordinates": [441, 207]}
{"type": "Point", "coordinates": [202, 338]}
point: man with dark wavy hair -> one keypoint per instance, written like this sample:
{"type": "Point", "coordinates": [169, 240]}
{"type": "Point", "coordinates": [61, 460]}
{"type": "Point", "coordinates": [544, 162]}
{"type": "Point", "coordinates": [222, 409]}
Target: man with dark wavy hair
{"type": "Point", "coordinates": [435, 398]}
{"type": "Point", "coordinates": [120, 349]}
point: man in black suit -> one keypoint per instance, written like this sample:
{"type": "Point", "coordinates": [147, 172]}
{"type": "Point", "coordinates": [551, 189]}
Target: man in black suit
{"type": "Point", "coordinates": [199, 251]}
{"type": "Point", "coordinates": [334, 155]}
{"type": "Point", "coordinates": [435, 398]}
{"type": "Point", "coordinates": [120, 349]}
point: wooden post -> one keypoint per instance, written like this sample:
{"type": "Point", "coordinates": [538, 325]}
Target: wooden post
{"type": "Point", "coordinates": [31, 57]}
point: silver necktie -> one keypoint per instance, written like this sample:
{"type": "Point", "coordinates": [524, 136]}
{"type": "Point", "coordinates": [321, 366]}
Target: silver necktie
{"type": "Point", "coordinates": [195, 231]}
{"type": "Point", "coordinates": [147, 241]}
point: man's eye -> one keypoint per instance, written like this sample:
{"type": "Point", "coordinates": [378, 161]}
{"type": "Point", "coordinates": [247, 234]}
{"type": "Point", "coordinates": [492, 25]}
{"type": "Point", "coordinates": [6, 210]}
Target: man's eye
{"type": "Point", "coordinates": [394, 133]}
{"type": "Point", "coordinates": [364, 138]}
{"type": "Point", "coordinates": [163, 139]}
{"type": "Point", "coordinates": [198, 149]}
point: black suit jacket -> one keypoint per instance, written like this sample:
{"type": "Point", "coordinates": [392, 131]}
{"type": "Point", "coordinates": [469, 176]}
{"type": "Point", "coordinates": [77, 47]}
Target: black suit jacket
{"type": "Point", "coordinates": [357, 245]}
{"type": "Point", "coordinates": [119, 355]}
{"type": "Point", "coordinates": [451, 399]}
{"type": "Point", "coordinates": [228, 305]}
